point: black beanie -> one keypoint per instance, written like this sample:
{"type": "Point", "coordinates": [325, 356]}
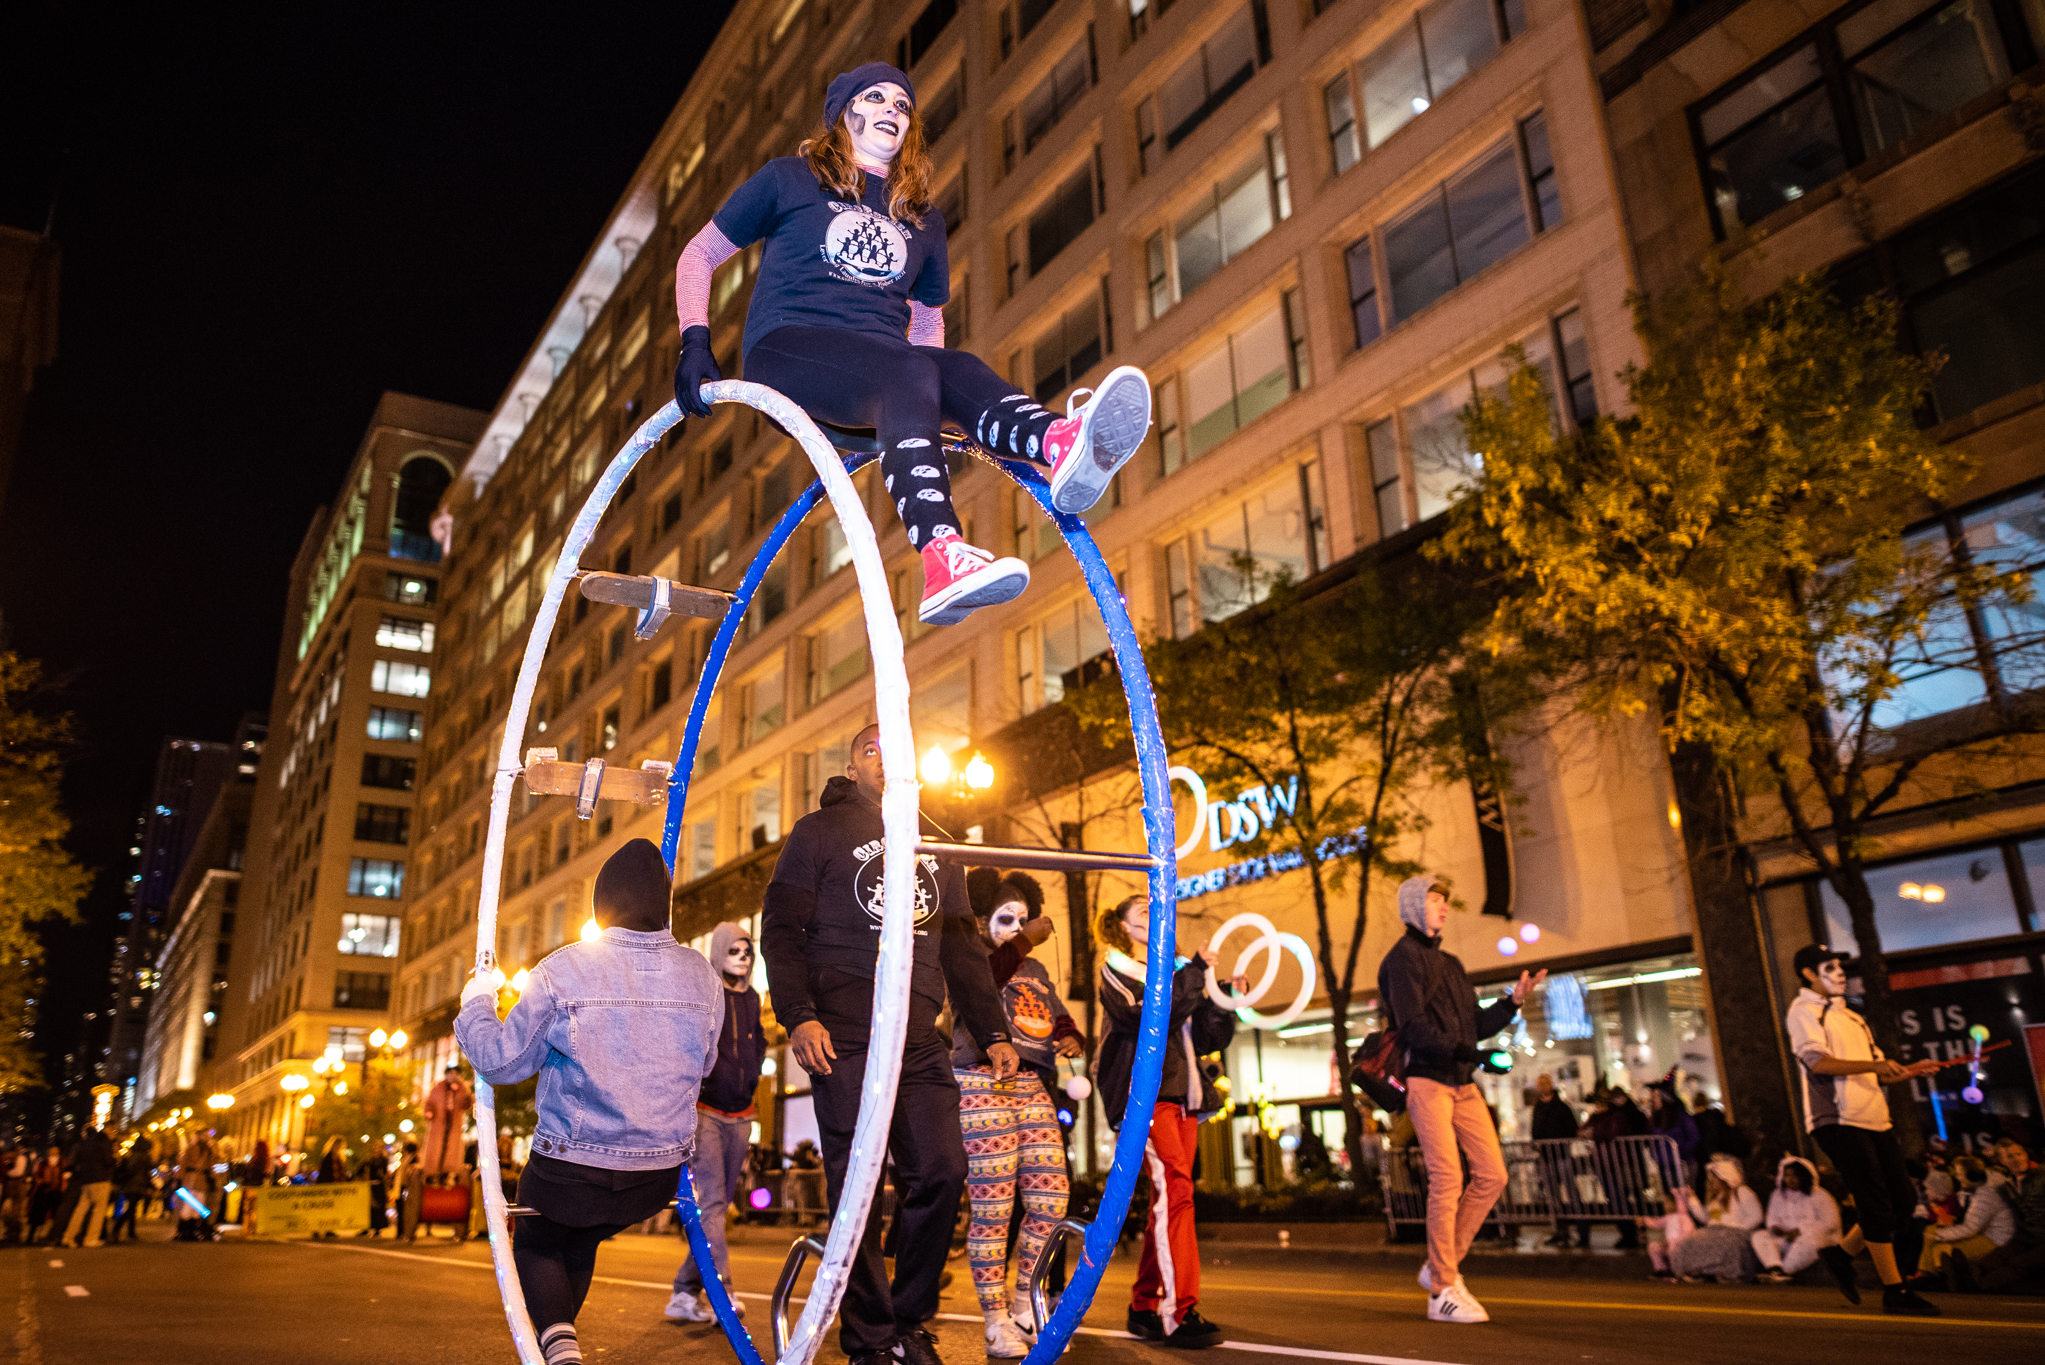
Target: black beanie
{"type": "Point", "coordinates": [846, 84]}
{"type": "Point", "coordinates": [633, 888]}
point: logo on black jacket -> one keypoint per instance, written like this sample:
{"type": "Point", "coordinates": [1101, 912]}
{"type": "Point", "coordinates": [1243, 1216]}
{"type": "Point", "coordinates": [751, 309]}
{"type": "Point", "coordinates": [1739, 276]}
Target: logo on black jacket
{"type": "Point", "coordinates": [868, 884]}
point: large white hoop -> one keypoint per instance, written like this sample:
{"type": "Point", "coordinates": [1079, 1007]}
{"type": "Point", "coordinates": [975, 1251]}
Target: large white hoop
{"type": "Point", "coordinates": [1269, 942]}
{"type": "Point", "coordinates": [899, 823]}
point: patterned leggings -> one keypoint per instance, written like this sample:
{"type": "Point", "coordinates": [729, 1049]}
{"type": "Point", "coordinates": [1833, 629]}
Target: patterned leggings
{"type": "Point", "coordinates": [1011, 1133]}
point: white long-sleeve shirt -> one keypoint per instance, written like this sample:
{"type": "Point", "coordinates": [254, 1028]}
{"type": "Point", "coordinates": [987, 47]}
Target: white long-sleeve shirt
{"type": "Point", "coordinates": [1814, 1216]}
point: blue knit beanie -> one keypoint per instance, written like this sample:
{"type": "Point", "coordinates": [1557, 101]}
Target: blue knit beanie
{"type": "Point", "coordinates": [846, 84]}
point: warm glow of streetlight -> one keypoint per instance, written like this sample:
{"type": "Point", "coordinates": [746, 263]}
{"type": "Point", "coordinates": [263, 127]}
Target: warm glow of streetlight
{"type": "Point", "coordinates": [936, 766]}
{"type": "Point", "coordinates": [378, 1038]}
{"type": "Point", "coordinates": [399, 1039]}
{"type": "Point", "coordinates": [520, 978]}
{"type": "Point", "coordinates": [220, 1101]}
{"type": "Point", "coordinates": [340, 1087]}
{"type": "Point", "coordinates": [320, 1066]}
{"type": "Point", "coordinates": [979, 773]}
{"type": "Point", "coordinates": [590, 932]}
{"type": "Point", "coordinates": [294, 1082]}
{"type": "Point", "coordinates": [305, 1101]}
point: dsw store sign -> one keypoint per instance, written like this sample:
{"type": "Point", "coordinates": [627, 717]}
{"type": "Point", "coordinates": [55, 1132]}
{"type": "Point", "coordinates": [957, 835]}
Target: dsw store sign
{"type": "Point", "coordinates": [1253, 812]}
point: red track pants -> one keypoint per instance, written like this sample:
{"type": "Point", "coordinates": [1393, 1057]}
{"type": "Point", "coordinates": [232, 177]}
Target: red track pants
{"type": "Point", "coordinates": [1168, 1277]}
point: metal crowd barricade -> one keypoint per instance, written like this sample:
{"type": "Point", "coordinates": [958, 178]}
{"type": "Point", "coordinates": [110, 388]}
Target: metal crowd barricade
{"type": "Point", "coordinates": [1569, 1179]}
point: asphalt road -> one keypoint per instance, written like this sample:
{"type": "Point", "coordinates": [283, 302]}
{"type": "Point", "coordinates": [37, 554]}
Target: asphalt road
{"type": "Point", "coordinates": [354, 1300]}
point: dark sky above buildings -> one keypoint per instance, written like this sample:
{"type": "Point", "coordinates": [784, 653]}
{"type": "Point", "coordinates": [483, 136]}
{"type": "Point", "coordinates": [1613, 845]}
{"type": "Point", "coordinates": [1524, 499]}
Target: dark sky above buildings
{"type": "Point", "coordinates": [268, 216]}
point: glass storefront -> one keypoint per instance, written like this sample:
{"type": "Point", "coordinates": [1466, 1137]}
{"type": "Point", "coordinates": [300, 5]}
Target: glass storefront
{"type": "Point", "coordinates": [1623, 1025]}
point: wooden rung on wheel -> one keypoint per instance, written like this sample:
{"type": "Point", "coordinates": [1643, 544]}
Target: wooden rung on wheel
{"type": "Point", "coordinates": [655, 599]}
{"type": "Point", "coordinates": [594, 781]}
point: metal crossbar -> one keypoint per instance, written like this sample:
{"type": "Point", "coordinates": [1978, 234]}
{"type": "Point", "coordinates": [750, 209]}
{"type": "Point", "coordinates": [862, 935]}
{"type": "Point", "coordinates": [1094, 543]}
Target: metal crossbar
{"type": "Point", "coordinates": [1556, 1180]}
{"type": "Point", "coordinates": [1040, 859]}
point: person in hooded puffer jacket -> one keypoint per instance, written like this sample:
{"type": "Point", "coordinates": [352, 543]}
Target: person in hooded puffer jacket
{"type": "Point", "coordinates": [1802, 1220]}
{"type": "Point", "coordinates": [1429, 1000]}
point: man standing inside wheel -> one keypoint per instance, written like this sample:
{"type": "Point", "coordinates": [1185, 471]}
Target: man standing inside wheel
{"type": "Point", "coordinates": [820, 935]}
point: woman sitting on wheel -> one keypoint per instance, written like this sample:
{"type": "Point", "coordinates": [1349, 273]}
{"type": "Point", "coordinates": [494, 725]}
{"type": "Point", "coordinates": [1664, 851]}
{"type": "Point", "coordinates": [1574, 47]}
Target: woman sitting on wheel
{"type": "Point", "coordinates": [845, 323]}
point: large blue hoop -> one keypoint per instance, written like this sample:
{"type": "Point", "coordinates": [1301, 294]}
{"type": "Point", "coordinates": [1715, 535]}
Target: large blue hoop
{"type": "Point", "coordinates": [1102, 1234]}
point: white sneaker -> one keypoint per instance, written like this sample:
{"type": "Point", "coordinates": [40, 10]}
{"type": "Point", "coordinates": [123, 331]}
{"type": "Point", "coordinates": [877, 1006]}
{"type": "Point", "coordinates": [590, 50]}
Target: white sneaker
{"type": "Point", "coordinates": [1426, 1277]}
{"type": "Point", "coordinates": [1086, 446]}
{"type": "Point", "coordinates": [1004, 1342]}
{"type": "Point", "coordinates": [1455, 1304]}
{"type": "Point", "coordinates": [687, 1308]}
{"type": "Point", "coordinates": [1024, 1316]}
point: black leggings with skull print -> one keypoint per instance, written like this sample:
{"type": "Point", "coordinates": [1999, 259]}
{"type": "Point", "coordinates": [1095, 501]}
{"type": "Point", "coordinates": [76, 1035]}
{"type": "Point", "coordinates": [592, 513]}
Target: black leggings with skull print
{"type": "Point", "coordinates": [905, 393]}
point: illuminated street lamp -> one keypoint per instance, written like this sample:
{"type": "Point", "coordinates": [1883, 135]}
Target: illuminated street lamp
{"type": "Point", "coordinates": [219, 1101]}
{"type": "Point", "coordinates": [979, 773]}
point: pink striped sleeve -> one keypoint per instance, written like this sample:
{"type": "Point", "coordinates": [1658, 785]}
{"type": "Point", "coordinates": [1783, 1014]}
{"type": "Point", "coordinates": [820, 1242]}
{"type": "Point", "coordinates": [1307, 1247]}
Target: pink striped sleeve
{"type": "Point", "coordinates": [706, 251]}
{"type": "Point", "coordinates": [926, 324]}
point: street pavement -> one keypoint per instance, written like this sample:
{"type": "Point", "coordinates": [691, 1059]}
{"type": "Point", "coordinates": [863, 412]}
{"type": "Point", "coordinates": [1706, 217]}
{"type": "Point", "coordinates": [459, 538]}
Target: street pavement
{"type": "Point", "coordinates": [357, 1300]}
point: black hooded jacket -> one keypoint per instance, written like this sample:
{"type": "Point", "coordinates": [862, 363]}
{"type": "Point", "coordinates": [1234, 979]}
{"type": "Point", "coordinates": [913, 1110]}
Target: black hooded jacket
{"type": "Point", "coordinates": [820, 932]}
{"type": "Point", "coordinates": [1426, 996]}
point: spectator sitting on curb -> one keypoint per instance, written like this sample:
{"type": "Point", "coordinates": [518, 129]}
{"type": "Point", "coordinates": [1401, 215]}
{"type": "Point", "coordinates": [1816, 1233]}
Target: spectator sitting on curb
{"type": "Point", "coordinates": [1802, 1220]}
{"type": "Point", "coordinates": [2019, 1263]}
{"type": "Point", "coordinates": [1988, 1222]}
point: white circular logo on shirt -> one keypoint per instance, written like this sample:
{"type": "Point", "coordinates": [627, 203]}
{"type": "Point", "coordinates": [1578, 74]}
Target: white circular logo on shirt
{"type": "Point", "coordinates": [872, 895]}
{"type": "Point", "coordinates": [864, 247]}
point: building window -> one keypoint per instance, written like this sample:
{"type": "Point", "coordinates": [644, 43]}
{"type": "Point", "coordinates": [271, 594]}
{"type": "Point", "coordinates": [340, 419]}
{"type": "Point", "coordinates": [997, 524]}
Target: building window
{"type": "Point", "coordinates": [1054, 96]}
{"type": "Point", "coordinates": [421, 483]}
{"type": "Point", "coordinates": [837, 657]}
{"type": "Point", "coordinates": [1201, 85]}
{"type": "Point", "coordinates": [362, 990]}
{"type": "Point", "coordinates": [1171, 428]}
{"type": "Point", "coordinates": [1072, 648]}
{"type": "Point", "coordinates": [391, 722]}
{"type": "Point", "coordinates": [702, 848]}
{"type": "Point", "coordinates": [389, 771]}
{"type": "Point", "coordinates": [398, 632]}
{"type": "Point", "coordinates": [614, 648]}
{"type": "Point", "coordinates": [951, 204]}
{"type": "Point", "coordinates": [1343, 136]}
{"type": "Point", "coordinates": [670, 512]}
{"type": "Point", "coordinates": [1539, 168]}
{"type": "Point", "coordinates": [770, 600]}
{"type": "Point", "coordinates": [1221, 225]}
{"type": "Point", "coordinates": [1932, 902]}
{"type": "Point", "coordinates": [766, 705]}
{"type": "Point", "coordinates": [369, 935]}
{"type": "Point", "coordinates": [1059, 222]}
{"type": "Point", "coordinates": [941, 713]}
{"type": "Point", "coordinates": [383, 878]}
{"type": "Point", "coordinates": [660, 688]}
{"type": "Point", "coordinates": [1067, 349]}
{"type": "Point", "coordinates": [383, 824]}
{"type": "Point", "coordinates": [1296, 339]}
{"type": "Point", "coordinates": [1972, 284]}
{"type": "Point", "coordinates": [413, 590]}
{"type": "Point", "coordinates": [1245, 376]}
{"type": "Point", "coordinates": [759, 816]}
{"type": "Point", "coordinates": [923, 32]}
{"type": "Point", "coordinates": [400, 679]}
{"type": "Point", "coordinates": [1420, 63]}
{"type": "Point", "coordinates": [1781, 132]}
{"type": "Point", "coordinates": [942, 110]}
{"type": "Point", "coordinates": [1179, 589]}
{"type": "Point", "coordinates": [1469, 222]}
{"type": "Point", "coordinates": [1238, 554]}
{"type": "Point", "coordinates": [1036, 535]}
{"type": "Point", "coordinates": [607, 731]}
{"type": "Point", "coordinates": [1381, 441]}
{"type": "Point", "coordinates": [1575, 349]}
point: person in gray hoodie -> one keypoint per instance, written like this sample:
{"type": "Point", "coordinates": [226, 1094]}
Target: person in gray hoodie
{"type": "Point", "coordinates": [725, 1110]}
{"type": "Point", "coordinates": [1428, 999]}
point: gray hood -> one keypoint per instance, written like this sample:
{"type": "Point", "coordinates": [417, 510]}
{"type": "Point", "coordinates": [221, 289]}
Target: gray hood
{"type": "Point", "coordinates": [1413, 899]}
{"type": "Point", "coordinates": [721, 939]}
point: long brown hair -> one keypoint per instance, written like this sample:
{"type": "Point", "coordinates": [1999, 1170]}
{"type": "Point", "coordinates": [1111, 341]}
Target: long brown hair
{"type": "Point", "coordinates": [1109, 930]}
{"type": "Point", "coordinates": [829, 154]}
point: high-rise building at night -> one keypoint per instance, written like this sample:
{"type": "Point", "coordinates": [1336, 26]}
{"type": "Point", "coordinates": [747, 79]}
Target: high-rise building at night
{"type": "Point", "coordinates": [317, 923]}
{"type": "Point", "coordinates": [1316, 232]}
{"type": "Point", "coordinates": [1891, 146]}
{"type": "Point", "coordinates": [190, 774]}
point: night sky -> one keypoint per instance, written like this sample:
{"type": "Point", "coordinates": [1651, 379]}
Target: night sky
{"type": "Point", "coordinates": [269, 216]}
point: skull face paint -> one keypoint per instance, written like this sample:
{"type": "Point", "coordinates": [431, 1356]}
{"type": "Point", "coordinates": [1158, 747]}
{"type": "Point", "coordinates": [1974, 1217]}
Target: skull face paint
{"type": "Point", "coordinates": [738, 959]}
{"type": "Point", "coordinates": [878, 119]}
{"type": "Point", "coordinates": [1007, 921]}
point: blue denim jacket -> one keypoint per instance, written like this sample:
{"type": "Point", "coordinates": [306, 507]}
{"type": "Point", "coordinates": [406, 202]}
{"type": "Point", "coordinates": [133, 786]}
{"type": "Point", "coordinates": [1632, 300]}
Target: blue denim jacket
{"type": "Point", "coordinates": [622, 1031]}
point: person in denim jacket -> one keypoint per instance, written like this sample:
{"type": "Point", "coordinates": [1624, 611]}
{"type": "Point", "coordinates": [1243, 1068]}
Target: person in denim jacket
{"type": "Point", "coordinates": [621, 1031]}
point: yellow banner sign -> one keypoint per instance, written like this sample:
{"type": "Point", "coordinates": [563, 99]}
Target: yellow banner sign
{"type": "Point", "coordinates": [302, 1210]}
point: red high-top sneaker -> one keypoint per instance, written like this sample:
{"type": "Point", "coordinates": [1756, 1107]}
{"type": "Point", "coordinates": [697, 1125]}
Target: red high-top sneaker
{"type": "Point", "coordinates": [958, 579]}
{"type": "Point", "coordinates": [1086, 447]}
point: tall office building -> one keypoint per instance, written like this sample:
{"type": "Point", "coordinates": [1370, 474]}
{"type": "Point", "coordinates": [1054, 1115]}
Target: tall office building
{"type": "Point", "coordinates": [318, 925]}
{"type": "Point", "coordinates": [1896, 145]}
{"type": "Point", "coordinates": [190, 774]}
{"type": "Point", "coordinates": [1315, 227]}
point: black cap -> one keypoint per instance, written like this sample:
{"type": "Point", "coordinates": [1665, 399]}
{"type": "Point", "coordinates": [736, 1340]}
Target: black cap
{"type": "Point", "coordinates": [1812, 956]}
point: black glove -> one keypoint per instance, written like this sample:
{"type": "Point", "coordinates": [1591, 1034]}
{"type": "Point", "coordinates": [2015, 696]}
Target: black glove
{"type": "Point", "coordinates": [696, 368]}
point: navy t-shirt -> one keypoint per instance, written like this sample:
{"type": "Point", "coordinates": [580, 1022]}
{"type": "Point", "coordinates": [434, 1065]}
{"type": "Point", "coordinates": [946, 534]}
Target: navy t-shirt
{"type": "Point", "coordinates": [829, 263]}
